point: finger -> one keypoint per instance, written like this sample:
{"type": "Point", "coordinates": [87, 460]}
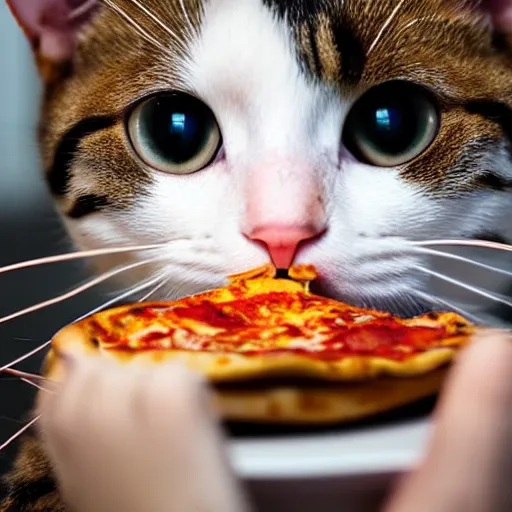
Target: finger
{"type": "Point", "coordinates": [469, 461]}
{"type": "Point", "coordinates": [176, 405]}
{"type": "Point", "coordinates": [46, 402]}
{"type": "Point", "coordinates": [60, 428]}
{"type": "Point", "coordinates": [61, 411]}
{"type": "Point", "coordinates": [129, 430]}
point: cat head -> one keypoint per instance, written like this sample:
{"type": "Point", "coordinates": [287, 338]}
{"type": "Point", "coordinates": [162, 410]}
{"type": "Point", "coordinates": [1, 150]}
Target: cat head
{"type": "Point", "coordinates": [328, 132]}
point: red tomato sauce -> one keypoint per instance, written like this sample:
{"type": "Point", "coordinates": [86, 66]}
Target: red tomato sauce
{"type": "Point", "coordinates": [244, 320]}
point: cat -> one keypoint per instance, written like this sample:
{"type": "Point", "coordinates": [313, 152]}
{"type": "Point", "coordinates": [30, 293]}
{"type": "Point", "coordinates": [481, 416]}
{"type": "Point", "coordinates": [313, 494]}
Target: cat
{"type": "Point", "coordinates": [234, 132]}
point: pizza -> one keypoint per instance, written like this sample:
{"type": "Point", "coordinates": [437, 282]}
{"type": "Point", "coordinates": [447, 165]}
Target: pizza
{"type": "Point", "coordinates": [275, 352]}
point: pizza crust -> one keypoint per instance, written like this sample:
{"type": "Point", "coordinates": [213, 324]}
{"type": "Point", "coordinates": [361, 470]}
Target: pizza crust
{"type": "Point", "coordinates": [323, 405]}
{"type": "Point", "coordinates": [348, 397]}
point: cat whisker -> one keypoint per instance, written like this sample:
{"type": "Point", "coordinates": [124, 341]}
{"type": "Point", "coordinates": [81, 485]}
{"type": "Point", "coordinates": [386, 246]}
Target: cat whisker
{"type": "Point", "coordinates": [35, 385]}
{"type": "Point", "coordinates": [23, 375]}
{"type": "Point", "coordinates": [463, 259]}
{"type": "Point", "coordinates": [30, 378]}
{"type": "Point", "coordinates": [437, 301]}
{"type": "Point", "coordinates": [159, 22]}
{"type": "Point", "coordinates": [473, 289]}
{"type": "Point", "coordinates": [77, 256]}
{"type": "Point", "coordinates": [154, 290]}
{"type": "Point", "coordinates": [190, 27]}
{"type": "Point", "coordinates": [20, 432]}
{"type": "Point", "coordinates": [463, 243]}
{"type": "Point", "coordinates": [76, 291]}
{"type": "Point", "coordinates": [132, 291]}
{"type": "Point", "coordinates": [386, 24]}
{"type": "Point", "coordinates": [26, 356]}
{"type": "Point", "coordinates": [146, 35]}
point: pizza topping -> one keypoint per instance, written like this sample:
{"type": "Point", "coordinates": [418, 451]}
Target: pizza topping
{"type": "Point", "coordinates": [303, 273]}
{"type": "Point", "coordinates": [261, 315]}
{"type": "Point", "coordinates": [363, 319]}
{"type": "Point", "coordinates": [211, 315]}
{"type": "Point", "coordinates": [272, 324]}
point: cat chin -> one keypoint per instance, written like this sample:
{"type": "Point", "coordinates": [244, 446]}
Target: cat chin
{"type": "Point", "coordinates": [395, 296]}
{"type": "Point", "coordinates": [366, 277]}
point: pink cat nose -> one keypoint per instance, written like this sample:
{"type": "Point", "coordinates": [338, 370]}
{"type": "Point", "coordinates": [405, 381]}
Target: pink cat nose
{"type": "Point", "coordinates": [282, 241]}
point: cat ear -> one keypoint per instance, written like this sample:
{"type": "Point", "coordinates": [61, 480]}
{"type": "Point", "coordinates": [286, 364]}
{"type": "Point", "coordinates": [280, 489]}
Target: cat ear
{"type": "Point", "coordinates": [52, 25]}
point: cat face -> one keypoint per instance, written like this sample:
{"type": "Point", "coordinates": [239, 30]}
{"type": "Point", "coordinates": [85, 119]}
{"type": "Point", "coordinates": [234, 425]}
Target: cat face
{"type": "Point", "coordinates": [326, 132]}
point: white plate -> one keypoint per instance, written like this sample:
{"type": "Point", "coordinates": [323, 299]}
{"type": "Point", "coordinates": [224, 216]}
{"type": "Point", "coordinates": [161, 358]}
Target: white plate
{"type": "Point", "coordinates": [367, 451]}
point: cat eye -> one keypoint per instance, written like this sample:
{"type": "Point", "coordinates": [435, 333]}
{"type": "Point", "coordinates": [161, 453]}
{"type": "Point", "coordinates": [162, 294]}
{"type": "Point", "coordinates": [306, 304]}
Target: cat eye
{"type": "Point", "coordinates": [174, 133]}
{"type": "Point", "coordinates": [392, 124]}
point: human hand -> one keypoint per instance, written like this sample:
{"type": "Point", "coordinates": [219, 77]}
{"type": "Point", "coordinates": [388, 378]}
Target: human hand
{"type": "Point", "coordinates": [133, 440]}
{"type": "Point", "coordinates": [468, 467]}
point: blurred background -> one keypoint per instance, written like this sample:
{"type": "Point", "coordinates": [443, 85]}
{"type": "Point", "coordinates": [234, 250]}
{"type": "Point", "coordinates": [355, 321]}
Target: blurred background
{"type": "Point", "coordinates": [29, 228]}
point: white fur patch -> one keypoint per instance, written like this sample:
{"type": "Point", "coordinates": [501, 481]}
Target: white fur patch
{"type": "Point", "coordinates": [244, 67]}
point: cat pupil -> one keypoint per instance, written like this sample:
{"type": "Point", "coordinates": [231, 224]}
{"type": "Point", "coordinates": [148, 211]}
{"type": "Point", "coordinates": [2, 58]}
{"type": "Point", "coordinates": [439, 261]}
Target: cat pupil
{"type": "Point", "coordinates": [177, 132]}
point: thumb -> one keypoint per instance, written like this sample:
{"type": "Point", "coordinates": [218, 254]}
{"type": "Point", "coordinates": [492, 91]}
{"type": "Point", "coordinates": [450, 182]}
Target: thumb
{"type": "Point", "coordinates": [469, 462]}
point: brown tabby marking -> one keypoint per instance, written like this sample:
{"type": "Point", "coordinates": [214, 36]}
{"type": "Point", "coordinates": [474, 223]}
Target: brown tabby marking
{"type": "Point", "coordinates": [329, 58]}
